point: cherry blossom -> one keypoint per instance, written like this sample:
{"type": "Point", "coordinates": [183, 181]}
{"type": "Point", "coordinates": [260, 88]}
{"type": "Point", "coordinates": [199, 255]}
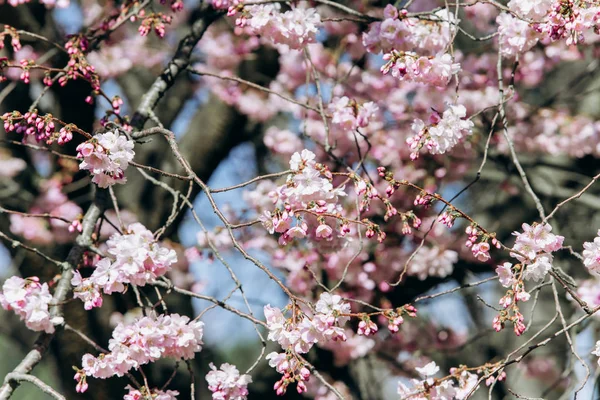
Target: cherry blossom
{"type": "Point", "coordinates": [349, 115]}
{"type": "Point", "coordinates": [534, 9]}
{"type": "Point", "coordinates": [596, 350]}
{"type": "Point", "coordinates": [591, 254]}
{"type": "Point", "coordinates": [434, 71]}
{"type": "Point", "coordinates": [294, 28]}
{"type": "Point", "coordinates": [444, 132]}
{"type": "Point", "coordinates": [106, 156]}
{"type": "Point", "coordinates": [143, 341]}
{"type": "Point", "coordinates": [154, 394]}
{"type": "Point", "coordinates": [534, 246]}
{"type": "Point", "coordinates": [515, 35]}
{"type": "Point", "coordinates": [30, 300]}
{"type": "Point", "coordinates": [226, 383]}
{"type": "Point", "coordinates": [397, 31]}
{"type": "Point", "coordinates": [135, 258]}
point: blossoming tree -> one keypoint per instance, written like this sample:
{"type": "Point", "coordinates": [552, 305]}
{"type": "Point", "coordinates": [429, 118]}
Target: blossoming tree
{"type": "Point", "coordinates": [424, 197]}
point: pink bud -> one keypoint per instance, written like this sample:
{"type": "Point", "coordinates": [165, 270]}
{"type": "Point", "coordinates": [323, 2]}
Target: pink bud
{"type": "Point", "coordinates": [301, 387]}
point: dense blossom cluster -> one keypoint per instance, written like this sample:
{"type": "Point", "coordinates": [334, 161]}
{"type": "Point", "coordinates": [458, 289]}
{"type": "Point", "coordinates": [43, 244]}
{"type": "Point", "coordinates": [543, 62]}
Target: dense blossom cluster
{"type": "Point", "coordinates": [534, 9]}
{"type": "Point", "coordinates": [154, 394]}
{"type": "Point", "coordinates": [298, 334]}
{"type": "Point", "coordinates": [571, 20]}
{"type": "Point", "coordinates": [310, 200]}
{"type": "Point", "coordinates": [556, 132]}
{"type": "Point", "coordinates": [295, 28]}
{"type": "Point", "coordinates": [30, 300]}
{"type": "Point", "coordinates": [144, 341]}
{"type": "Point", "coordinates": [409, 66]}
{"type": "Point", "coordinates": [349, 115]}
{"type": "Point", "coordinates": [402, 33]}
{"type": "Point", "coordinates": [134, 258]}
{"type": "Point", "coordinates": [515, 35]}
{"type": "Point", "coordinates": [432, 261]}
{"type": "Point", "coordinates": [106, 156]}
{"type": "Point", "coordinates": [443, 132]}
{"type": "Point", "coordinates": [459, 388]}
{"type": "Point", "coordinates": [226, 383]}
{"type": "Point", "coordinates": [591, 254]}
{"type": "Point", "coordinates": [534, 247]}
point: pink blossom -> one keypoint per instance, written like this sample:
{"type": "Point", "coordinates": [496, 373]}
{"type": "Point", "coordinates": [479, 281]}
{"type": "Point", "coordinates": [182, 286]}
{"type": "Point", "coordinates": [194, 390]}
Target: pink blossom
{"type": "Point", "coordinates": [515, 35]}
{"type": "Point", "coordinates": [106, 156]}
{"type": "Point", "coordinates": [591, 254]}
{"type": "Point", "coordinates": [299, 160]}
{"type": "Point", "coordinates": [367, 328]}
{"type": "Point", "coordinates": [535, 245]}
{"type": "Point", "coordinates": [155, 394]}
{"type": "Point", "coordinates": [535, 9]}
{"type": "Point", "coordinates": [295, 28]}
{"type": "Point", "coordinates": [30, 300]}
{"type": "Point", "coordinates": [505, 274]}
{"type": "Point", "coordinates": [226, 383]}
{"type": "Point", "coordinates": [135, 258]}
{"type": "Point", "coordinates": [445, 133]}
{"type": "Point", "coordinates": [143, 341]}
{"type": "Point", "coordinates": [434, 71]}
{"type": "Point", "coordinates": [324, 231]}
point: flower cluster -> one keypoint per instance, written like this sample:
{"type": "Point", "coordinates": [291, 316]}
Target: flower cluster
{"type": "Point", "coordinates": [144, 341]}
{"type": "Point", "coordinates": [591, 254]}
{"type": "Point", "coordinates": [298, 334]}
{"type": "Point", "coordinates": [443, 132]}
{"type": "Point", "coordinates": [596, 350]}
{"type": "Point", "coordinates": [29, 299]}
{"type": "Point", "coordinates": [533, 249]}
{"type": "Point", "coordinates": [461, 384]}
{"type": "Point", "coordinates": [534, 246]}
{"type": "Point", "coordinates": [282, 141]}
{"type": "Point", "coordinates": [515, 35]}
{"type": "Point", "coordinates": [226, 383]}
{"type": "Point", "coordinates": [78, 65]}
{"type": "Point", "coordinates": [308, 196]}
{"type": "Point", "coordinates": [399, 32]}
{"type": "Point", "coordinates": [478, 242]}
{"type": "Point", "coordinates": [106, 156]}
{"type": "Point", "coordinates": [589, 291]}
{"type": "Point", "coordinates": [134, 258]}
{"type": "Point", "coordinates": [511, 277]}
{"type": "Point", "coordinates": [409, 66]}
{"type": "Point", "coordinates": [348, 115]}
{"type": "Point", "coordinates": [569, 20]}
{"type": "Point", "coordinates": [145, 393]}
{"type": "Point", "coordinates": [533, 9]}
{"type": "Point", "coordinates": [295, 28]}
{"type": "Point", "coordinates": [302, 334]}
